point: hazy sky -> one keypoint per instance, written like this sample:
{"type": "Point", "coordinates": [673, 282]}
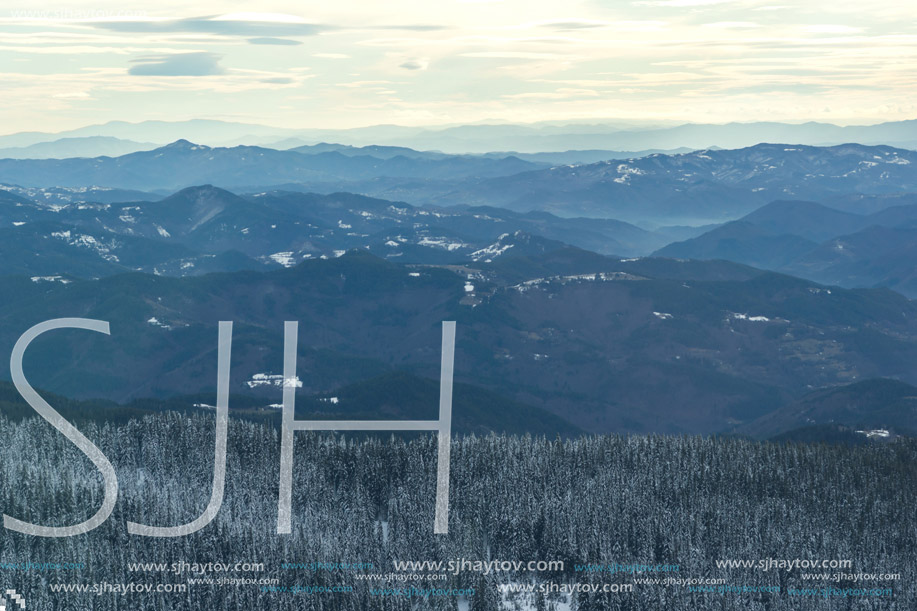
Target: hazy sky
{"type": "Point", "coordinates": [354, 63]}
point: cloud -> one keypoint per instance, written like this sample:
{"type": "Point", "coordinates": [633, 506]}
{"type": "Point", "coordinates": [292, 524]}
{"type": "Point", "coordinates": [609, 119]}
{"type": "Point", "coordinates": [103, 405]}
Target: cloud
{"type": "Point", "coordinates": [732, 25]}
{"type": "Point", "coordinates": [414, 64]}
{"type": "Point", "coordinates": [412, 28]}
{"type": "Point", "coordinates": [562, 93]}
{"type": "Point", "coordinates": [216, 25]}
{"type": "Point", "coordinates": [513, 55]}
{"type": "Point", "coordinates": [832, 29]}
{"type": "Point", "coordinates": [259, 25]}
{"type": "Point", "coordinates": [178, 64]}
{"type": "Point", "coordinates": [683, 3]}
{"type": "Point", "coordinates": [73, 95]}
{"type": "Point", "coordinates": [267, 40]}
{"type": "Point", "coordinates": [564, 26]}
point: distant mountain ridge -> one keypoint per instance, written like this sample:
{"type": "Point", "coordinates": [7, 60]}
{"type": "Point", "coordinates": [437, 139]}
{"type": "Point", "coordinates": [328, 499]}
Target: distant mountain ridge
{"type": "Point", "coordinates": [183, 163]}
{"type": "Point", "coordinates": [692, 188]}
{"type": "Point", "coordinates": [88, 146]}
{"type": "Point", "coordinates": [484, 138]}
{"type": "Point", "coordinates": [813, 241]}
{"type": "Point", "coordinates": [695, 187]}
{"type": "Point", "coordinates": [202, 228]}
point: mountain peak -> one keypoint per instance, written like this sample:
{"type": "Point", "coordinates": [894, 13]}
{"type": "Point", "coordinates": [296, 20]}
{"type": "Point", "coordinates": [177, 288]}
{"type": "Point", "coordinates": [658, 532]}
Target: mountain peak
{"type": "Point", "coordinates": [207, 190]}
{"type": "Point", "coordinates": [182, 144]}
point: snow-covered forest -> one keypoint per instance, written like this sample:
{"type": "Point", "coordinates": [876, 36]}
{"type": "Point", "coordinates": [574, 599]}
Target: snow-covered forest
{"type": "Point", "coordinates": [688, 501]}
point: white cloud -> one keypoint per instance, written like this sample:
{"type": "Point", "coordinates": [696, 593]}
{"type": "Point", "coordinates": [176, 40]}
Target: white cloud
{"type": "Point", "coordinates": [179, 64]}
{"type": "Point", "coordinates": [264, 17]}
{"type": "Point", "coordinates": [415, 61]}
{"type": "Point", "coordinates": [73, 95]}
{"type": "Point", "coordinates": [732, 25]}
{"type": "Point", "coordinates": [832, 29]}
{"type": "Point", "coordinates": [682, 3]}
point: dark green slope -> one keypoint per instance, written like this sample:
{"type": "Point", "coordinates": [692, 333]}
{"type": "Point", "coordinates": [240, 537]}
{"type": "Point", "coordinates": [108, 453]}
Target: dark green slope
{"type": "Point", "coordinates": [604, 344]}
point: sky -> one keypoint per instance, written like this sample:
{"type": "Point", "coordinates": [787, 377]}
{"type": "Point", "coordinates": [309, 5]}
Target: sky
{"type": "Point", "coordinates": [305, 64]}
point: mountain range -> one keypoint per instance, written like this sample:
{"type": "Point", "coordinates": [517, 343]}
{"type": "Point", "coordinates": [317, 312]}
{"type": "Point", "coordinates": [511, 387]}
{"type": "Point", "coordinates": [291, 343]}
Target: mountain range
{"type": "Point", "coordinates": [621, 135]}
{"type": "Point", "coordinates": [568, 321]}
{"type": "Point", "coordinates": [183, 163]}
{"type": "Point", "coordinates": [691, 188]}
{"type": "Point", "coordinates": [205, 228]}
{"type": "Point", "coordinates": [604, 344]}
{"type": "Point", "coordinates": [856, 230]}
{"type": "Point", "coordinates": [813, 241]}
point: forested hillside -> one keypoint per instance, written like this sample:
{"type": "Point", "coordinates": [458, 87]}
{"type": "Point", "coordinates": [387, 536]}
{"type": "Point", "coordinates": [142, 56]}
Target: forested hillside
{"type": "Point", "coordinates": [685, 501]}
